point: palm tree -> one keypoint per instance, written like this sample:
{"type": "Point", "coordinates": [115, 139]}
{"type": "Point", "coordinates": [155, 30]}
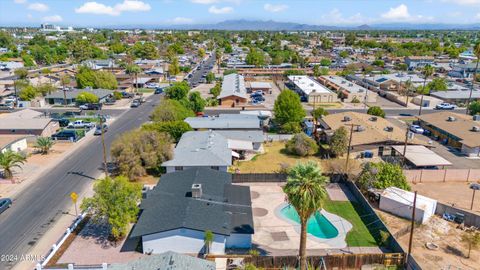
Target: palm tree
{"type": "Point", "coordinates": [10, 160]}
{"type": "Point", "coordinates": [133, 70]}
{"type": "Point", "coordinates": [218, 55]}
{"type": "Point", "coordinates": [44, 144]}
{"type": "Point", "coordinates": [476, 51]}
{"type": "Point", "coordinates": [427, 72]}
{"type": "Point", "coordinates": [305, 190]}
{"type": "Point", "coordinates": [408, 88]}
{"type": "Point", "coordinates": [65, 80]}
{"type": "Point", "coordinates": [207, 240]}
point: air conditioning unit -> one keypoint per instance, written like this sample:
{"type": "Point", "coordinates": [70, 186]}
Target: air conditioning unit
{"type": "Point", "coordinates": [360, 128]}
{"type": "Point", "coordinates": [346, 118]}
{"type": "Point", "coordinates": [373, 119]}
{"type": "Point", "coordinates": [389, 129]}
{"type": "Point", "coordinates": [476, 117]}
{"type": "Point", "coordinates": [476, 129]}
{"type": "Point", "coordinates": [196, 190]}
{"type": "Point", "coordinates": [451, 119]}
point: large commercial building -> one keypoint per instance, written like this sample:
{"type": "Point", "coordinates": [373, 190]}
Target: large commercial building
{"type": "Point", "coordinates": [312, 91]}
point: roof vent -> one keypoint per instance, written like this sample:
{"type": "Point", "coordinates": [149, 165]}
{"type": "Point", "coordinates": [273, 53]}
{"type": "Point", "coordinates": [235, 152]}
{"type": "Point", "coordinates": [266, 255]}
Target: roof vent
{"type": "Point", "coordinates": [196, 191]}
{"type": "Point", "coordinates": [373, 119]}
{"type": "Point", "coordinates": [476, 117]}
{"type": "Point", "coordinates": [360, 128]}
{"type": "Point", "coordinates": [388, 129]}
{"type": "Point", "coordinates": [451, 119]}
{"type": "Point", "coordinates": [346, 118]}
{"type": "Point", "coordinates": [476, 129]}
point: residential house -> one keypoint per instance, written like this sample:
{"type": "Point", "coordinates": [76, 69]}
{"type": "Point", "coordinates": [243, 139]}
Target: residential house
{"type": "Point", "coordinates": [213, 149]}
{"type": "Point", "coordinates": [456, 97]}
{"type": "Point", "coordinates": [185, 204]}
{"type": "Point", "coordinates": [414, 62]}
{"type": "Point", "coordinates": [265, 87]}
{"type": "Point", "coordinates": [15, 143]}
{"type": "Point", "coordinates": [100, 64]}
{"type": "Point", "coordinates": [393, 82]}
{"type": "Point", "coordinates": [351, 91]}
{"type": "Point", "coordinates": [69, 96]}
{"type": "Point", "coordinates": [165, 261]}
{"type": "Point", "coordinates": [27, 122]}
{"type": "Point", "coordinates": [233, 92]}
{"type": "Point", "coordinates": [457, 130]}
{"type": "Point", "coordinates": [225, 122]}
{"type": "Point", "coordinates": [370, 133]}
{"type": "Point", "coordinates": [311, 90]}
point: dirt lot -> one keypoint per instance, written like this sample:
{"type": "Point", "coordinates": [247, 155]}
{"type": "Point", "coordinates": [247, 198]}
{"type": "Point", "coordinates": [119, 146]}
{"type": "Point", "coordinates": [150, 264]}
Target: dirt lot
{"type": "Point", "coordinates": [451, 252]}
{"type": "Point", "coordinates": [451, 193]}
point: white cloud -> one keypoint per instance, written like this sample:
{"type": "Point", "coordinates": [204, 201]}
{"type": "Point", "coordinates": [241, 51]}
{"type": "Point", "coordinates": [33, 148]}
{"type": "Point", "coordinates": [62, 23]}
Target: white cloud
{"type": "Point", "coordinates": [20, 1]}
{"type": "Point", "coordinates": [223, 10]}
{"type": "Point", "coordinates": [464, 2]}
{"type": "Point", "coordinates": [52, 18]}
{"type": "Point", "coordinates": [40, 7]}
{"type": "Point", "coordinates": [125, 6]}
{"type": "Point", "coordinates": [336, 17]}
{"type": "Point", "coordinates": [181, 20]}
{"type": "Point", "coordinates": [397, 13]}
{"type": "Point", "coordinates": [204, 2]}
{"type": "Point", "coordinates": [275, 8]}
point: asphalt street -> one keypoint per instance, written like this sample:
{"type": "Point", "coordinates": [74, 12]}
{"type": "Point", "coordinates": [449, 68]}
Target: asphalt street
{"type": "Point", "coordinates": [204, 69]}
{"type": "Point", "coordinates": [36, 208]}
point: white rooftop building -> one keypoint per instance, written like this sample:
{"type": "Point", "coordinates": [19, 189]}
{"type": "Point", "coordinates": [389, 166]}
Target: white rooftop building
{"type": "Point", "coordinates": [312, 90]}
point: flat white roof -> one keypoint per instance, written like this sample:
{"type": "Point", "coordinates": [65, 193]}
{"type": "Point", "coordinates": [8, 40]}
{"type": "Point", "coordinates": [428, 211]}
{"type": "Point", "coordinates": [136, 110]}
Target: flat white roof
{"type": "Point", "coordinates": [260, 85]}
{"type": "Point", "coordinates": [421, 156]}
{"type": "Point", "coordinates": [406, 197]}
{"type": "Point", "coordinates": [344, 83]}
{"type": "Point", "coordinates": [308, 85]}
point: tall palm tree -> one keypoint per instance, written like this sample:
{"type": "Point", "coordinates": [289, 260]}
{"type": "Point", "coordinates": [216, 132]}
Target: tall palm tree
{"type": "Point", "coordinates": [44, 144]}
{"type": "Point", "coordinates": [10, 160]}
{"type": "Point", "coordinates": [408, 88]}
{"type": "Point", "coordinates": [476, 51]}
{"type": "Point", "coordinates": [133, 71]}
{"type": "Point", "coordinates": [218, 55]}
{"type": "Point", "coordinates": [427, 72]}
{"type": "Point", "coordinates": [305, 190]}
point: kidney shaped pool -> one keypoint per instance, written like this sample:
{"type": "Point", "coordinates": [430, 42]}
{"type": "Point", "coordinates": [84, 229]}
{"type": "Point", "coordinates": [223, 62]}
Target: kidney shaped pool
{"type": "Point", "coordinates": [317, 225]}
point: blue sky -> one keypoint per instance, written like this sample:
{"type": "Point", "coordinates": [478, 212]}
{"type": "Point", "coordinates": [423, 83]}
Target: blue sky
{"type": "Point", "coordinates": [167, 12]}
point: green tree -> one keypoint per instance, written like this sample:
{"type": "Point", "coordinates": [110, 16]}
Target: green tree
{"type": "Point", "coordinates": [133, 71]}
{"type": "Point", "coordinates": [197, 103]}
{"type": "Point", "coordinates": [138, 150]}
{"type": "Point", "coordinates": [201, 53]}
{"type": "Point", "coordinates": [210, 77]}
{"type": "Point", "coordinates": [301, 145]}
{"type": "Point", "coordinates": [21, 73]}
{"type": "Point", "coordinates": [10, 160]}
{"type": "Point", "coordinates": [339, 142]}
{"type": "Point", "coordinates": [427, 71]}
{"type": "Point", "coordinates": [229, 71]}
{"type": "Point", "coordinates": [325, 62]}
{"type": "Point", "coordinates": [255, 57]}
{"type": "Point", "coordinates": [350, 39]}
{"type": "Point", "coordinates": [174, 67]}
{"type": "Point", "coordinates": [318, 113]}
{"type": "Point", "coordinates": [343, 54]}
{"type": "Point", "coordinates": [86, 97]}
{"type": "Point", "coordinates": [379, 63]}
{"type": "Point", "coordinates": [87, 77]}
{"type": "Point", "coordinates": [287, 108]}
{"type": "Point", "coordinates": [115, 202]}
{"type": "Point", "coordinates": [476, 52]}
{"type": "Point", "coordinates": [376, 111]}
{"type": "Point", "coordinates": [146, 50]}
{"type": "Point", "coordinates": [170, 110]}
{"type": "Point", "coordinates": [178, 91]}
{"type": "Point", "coordinates": [44, 144]}
{"type": "Point", "coordinates": [215, 91]}
{"type": "Point", "coordinates": [316, 71]}
{"type": "Point", "coordinates": [28, 93]}
{"type": "Point", "coordinates": [208, 237]}
{"type": "Point", "coordinates": [46, 88]}
{"type": "Point", "coordinates": [437, 84]}
{"type": "Point", "coordinates": [174, 128]}
{"type": "Point", "coordinates": [292, 72]}
{"type": "Point", "coordinates": [471, 239]}
{"type": "Point", "coordinates": [305, 191]}
{"type": "Point", "coordinates": [474, 108]}
{"type": "Point", "coordinates": [382, 175]}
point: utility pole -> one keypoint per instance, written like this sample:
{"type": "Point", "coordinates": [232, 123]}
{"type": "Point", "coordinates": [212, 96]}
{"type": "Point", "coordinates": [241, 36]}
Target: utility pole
{"type": "Point", "coordinates": [412, 226]}
{"type": "Point", "coordinates": [349, 145]}
{"type": "Point", "coordinates": [405, 145]}
{"type": "Point", "coordinates": [105, 167]}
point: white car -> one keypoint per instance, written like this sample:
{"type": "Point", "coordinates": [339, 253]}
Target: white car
{"type": "Point", "coordinates": [417, 129]}
{"type": "Point", "coordinates": [80, 124]}
{"type": "Point", "coordinates": [445, 106]}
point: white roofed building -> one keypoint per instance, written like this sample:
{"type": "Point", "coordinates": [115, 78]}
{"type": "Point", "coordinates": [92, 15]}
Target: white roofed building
{"type": "Point", "coordinates": [311, 90]}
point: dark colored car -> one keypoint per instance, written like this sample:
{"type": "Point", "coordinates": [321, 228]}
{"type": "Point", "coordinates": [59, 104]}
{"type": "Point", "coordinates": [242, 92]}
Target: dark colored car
{"type": "Point", "coordinates": [5, 203]}
{"type": "Point", "coordinates": [70, 114]}
{"type": "Point", "coordinates": [158, 90]}
{"type": "Point", "coordinates": [98, 129]}
{"type": "Point", "coordinates": [63, 122]}
{"type": "Point", "coordinates": [65, 135]}
{"type": "Point", "coordinates": [127, 95]}
{"type": "Point", "coordinates": [91, 106]}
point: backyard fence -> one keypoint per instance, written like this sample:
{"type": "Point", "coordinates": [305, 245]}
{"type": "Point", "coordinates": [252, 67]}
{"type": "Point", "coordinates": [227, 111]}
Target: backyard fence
{"type": "Point", "coordinates": [446, 175]}
{"type": "Point", "coordinates": [471, 219]}
{"type": "Point", "coordinates": [340, 261]}
{"type": "Point", "coordinates": [258, 177]}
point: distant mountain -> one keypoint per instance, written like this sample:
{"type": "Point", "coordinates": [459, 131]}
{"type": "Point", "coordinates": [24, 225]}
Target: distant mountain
{"type": "Point", "coordinates": [237, 25]}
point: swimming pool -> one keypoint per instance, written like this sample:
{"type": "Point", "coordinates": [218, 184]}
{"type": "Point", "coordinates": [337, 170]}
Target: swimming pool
{"type": "Point", "coordinates": [317, 225]}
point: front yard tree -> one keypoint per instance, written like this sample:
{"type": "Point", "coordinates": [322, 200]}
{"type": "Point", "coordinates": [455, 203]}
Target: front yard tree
{"type": "Point", "coordinates": [305, 190]}
{"type": "Point", "coordinates": [215, 91]}
{"type": "Point", "coordinates": [174, 128]}
{"type": "Point", "coordinates": [197, 103]}
{"type": "Point", "coordinates": [44, 144]}
{"type": "Point", "coordinates": [10, 160]}
{"type": "Point", "coordinates": [178, 91]}
{"type": "Point", "coordinates": [474, 108]}
{"type": "Point", "coordinates": [288, 108]}
{"type": "Point", "coordinates": [174, 67]}
{"type": "Point", "coordinates": [86, 97]}
{"type": "Point", "coordinates": [382, 175]}
{"type": "Point", "coordinates": [376, 111]}
{"type": "Point", "coordinates": [301, 145]}
{"type": "Point", "coordinates": [471, 239]}
{"type": "Point", "coordinates": [116, 202]}
{"type": "Point", "coordinates": [136, 151]}
{"type": "Point", "coordinates": [210, 77]}
{"type": "Point", "coordinates": [339, 142]}
{"type": "Point", "coordinates": [170, 110]}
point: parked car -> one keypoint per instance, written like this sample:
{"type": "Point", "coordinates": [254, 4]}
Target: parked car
{"type": "Point", "coordinates": [98, 129]}
{"type": "Point", "coordinates": [66, 134]}
{"type": "Point", "coordinates": [127, 94]}
{"type": "Point", "coordinates": [80, 124]}
{"type": "Point", "coordinates": [135, 103]}
{"type": "Point", "coordinates": [91, 106]}
{"type": "Point", "coordinates": [62, 122]}
{"type": "Point", "coordinates": [5, 203]}
{"type": "Point", "coordinates": [70, 114]}
{"type": "Point", "coordinates": [417, 129]}
{"type": "Point", "coordinates": [158, 90]}
{"type": "Point", "coordinates": [6, 106]}
{"type": "Point", "coordinates": [110, 101]}
{"type": "Point", "coordinates": [445, 106]}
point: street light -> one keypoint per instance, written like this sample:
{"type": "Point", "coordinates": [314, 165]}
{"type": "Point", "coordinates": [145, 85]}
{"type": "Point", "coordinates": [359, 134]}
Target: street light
{"type": "Point", "coordinates": [474, 187]}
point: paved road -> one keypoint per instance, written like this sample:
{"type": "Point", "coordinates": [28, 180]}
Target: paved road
{"type": "Point", "coordinates": [36, 208]}
{"type": "Point", "coordinates": [204, 69]}
{"type": "Point", "coordinates": [389, 112]}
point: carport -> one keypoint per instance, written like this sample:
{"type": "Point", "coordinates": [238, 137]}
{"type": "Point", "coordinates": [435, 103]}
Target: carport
{"type": "Point", "coordinates": [420, 156]}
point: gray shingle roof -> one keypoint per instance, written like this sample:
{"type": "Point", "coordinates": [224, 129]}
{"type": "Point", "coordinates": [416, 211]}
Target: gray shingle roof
{"type": "Point", "coordinates": [225, 121]}
{"type": "Point", "coordinates": [223, 208]}
{"type": "Point", "coordinates": [72, 94]}
{"type": "Point", "coordinates": [233, 85]}
{"type": "Point", "coordinates": [165, 261]}
{"type": "Point", "coordinates": [458, 94]}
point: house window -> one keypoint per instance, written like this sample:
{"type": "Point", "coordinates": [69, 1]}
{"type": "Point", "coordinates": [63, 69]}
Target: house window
{"type": "Point", "coordinates": [178, 168]}
{"type": "Point", "coordinates": [215, 168]}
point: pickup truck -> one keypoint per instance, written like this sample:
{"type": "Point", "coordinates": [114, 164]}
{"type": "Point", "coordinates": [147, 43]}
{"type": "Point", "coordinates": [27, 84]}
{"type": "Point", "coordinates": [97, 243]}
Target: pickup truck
{"type": "Point", "coordinates": [80, 124]}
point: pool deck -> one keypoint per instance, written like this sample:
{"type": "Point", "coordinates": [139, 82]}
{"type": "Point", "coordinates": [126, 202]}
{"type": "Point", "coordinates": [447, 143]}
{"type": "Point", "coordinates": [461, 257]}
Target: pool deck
{"type": "Point", "coordinates": [274, 234]}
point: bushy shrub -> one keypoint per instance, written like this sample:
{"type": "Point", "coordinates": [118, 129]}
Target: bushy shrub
{"type": "Point", "coordinates": [301, 145]}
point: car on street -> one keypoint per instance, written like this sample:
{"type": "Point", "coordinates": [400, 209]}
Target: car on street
{"type": "Point", "coordinates": [445, 106]}
{"type": "Point", "coordinates": [98, 129]}
{"type": "Point", "coordinates": [158, 90]}
{"type": "Point", "coordinates": [6, 106]}
{"type": "Point", "coordinates": [62, 122]}
{"type": "Point", "coordinates": [417, 129]}
{"type": "Point", "coordinates": [135, 103]}
{"type": "Point", "coordinates": [91, 106]}
{"type": "Point", "coordinates": [66, 134]}
{"type": "Point", "coordinates": [127, 94]}
{"type": "Point", "coordinates": [80, 124]}
{"type": "Point", "coordinates": [70, 114]}
{"type": "Point", "coordinates": [5, 203]}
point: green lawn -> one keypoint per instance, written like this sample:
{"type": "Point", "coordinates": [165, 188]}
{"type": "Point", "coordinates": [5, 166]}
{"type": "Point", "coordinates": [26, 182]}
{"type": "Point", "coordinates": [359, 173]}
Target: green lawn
{"type": "Point", "coordinates": [359, 236]}
{"type": "Point", "coordinates": [146, 90]}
